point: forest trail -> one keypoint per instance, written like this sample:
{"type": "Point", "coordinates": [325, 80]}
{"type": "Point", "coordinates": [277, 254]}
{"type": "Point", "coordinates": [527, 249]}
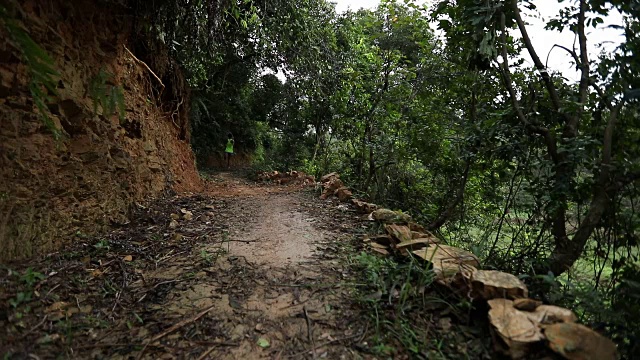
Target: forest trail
{"type": "Point", "coordinates": [241, 271]}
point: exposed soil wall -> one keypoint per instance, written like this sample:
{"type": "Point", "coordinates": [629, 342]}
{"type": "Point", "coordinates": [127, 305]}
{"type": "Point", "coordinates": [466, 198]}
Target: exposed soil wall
{"type": "Point", "coordinates": [53, 192]}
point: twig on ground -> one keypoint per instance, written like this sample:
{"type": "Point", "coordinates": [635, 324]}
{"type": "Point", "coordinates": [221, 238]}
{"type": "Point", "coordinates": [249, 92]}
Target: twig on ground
{"type": "Point", "coordinates": [156, 285]}
{"type": "Point", "coordinates": [92, 346]}
{"type": "Point", "coordinates": [174, 328]}
{"type": "Point", "coordinates": [310, 296]}
{"type": "Point", "coordinates": [206, 353]}
{"type": "Point", "coordinates": [166, 282]}
{"type": "Point", "coordinates": [319, 286]}
{"type": "Point", "coordinates": [327, 343]}
{"type": "Point", "coordinates": [35, 327]}
{"type": "Point", "coordinates": [309, 331]}
{"type": "Point", "coordinates": [52, 289]}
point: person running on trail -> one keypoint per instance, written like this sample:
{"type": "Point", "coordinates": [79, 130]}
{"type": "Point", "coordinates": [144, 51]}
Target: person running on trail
{"type": "Point", "coordinates": [228, 151]}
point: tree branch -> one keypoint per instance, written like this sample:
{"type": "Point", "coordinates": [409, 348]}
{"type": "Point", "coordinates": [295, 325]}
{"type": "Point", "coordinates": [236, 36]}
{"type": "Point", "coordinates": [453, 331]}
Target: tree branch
{"type": "Point", "coordinates": [572, 128]}
{"type": "Point", "coordinates": [565, 254]}
{"type": "Point", "coordinates": [571, 52]}
{"type": "Point", "coordinates": [448, 212]}
{"type": "Point", "coordinates": [536, 59]}
{"type": "Point", "coordinates": [548, 136]}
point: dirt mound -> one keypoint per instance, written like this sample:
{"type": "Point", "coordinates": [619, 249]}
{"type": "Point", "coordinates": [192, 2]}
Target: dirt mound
{"type": "Point", "coordinates": [53, 192]}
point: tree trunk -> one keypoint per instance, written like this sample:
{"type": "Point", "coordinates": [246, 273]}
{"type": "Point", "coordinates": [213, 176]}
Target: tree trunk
{"type": "Point", "coordinates": [449, 211]}
{"type": "Point", "coordinates": [568, 251]}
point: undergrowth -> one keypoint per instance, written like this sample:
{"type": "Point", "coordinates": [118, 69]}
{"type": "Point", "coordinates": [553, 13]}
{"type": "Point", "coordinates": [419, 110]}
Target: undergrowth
{"type": "Point", "coordinates": [108, 97]}
{"type": "Point", "coordinates": [409, 314]}
{"type": "Point", "coordinates": [42, 84]}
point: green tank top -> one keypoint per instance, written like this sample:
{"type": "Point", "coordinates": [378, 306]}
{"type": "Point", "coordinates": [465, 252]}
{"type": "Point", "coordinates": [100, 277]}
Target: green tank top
{"type": "Point", "coordinates": [229, 147]}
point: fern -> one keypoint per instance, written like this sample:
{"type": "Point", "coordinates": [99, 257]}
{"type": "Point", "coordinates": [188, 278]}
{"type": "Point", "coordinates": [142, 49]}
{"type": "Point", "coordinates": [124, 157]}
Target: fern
{"type": "Point", "coordinates": [109, 98]}
{"type": "Point", "coordinates": [41, 68]}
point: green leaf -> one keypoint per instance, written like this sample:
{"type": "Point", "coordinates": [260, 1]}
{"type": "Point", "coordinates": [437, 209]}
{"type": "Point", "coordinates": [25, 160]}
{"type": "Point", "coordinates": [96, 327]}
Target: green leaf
{"type": "Point", "coordinates": [263, 343]}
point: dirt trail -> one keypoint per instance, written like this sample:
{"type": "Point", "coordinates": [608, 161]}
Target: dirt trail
{"type": "Point", "coordinates": [244, 271]}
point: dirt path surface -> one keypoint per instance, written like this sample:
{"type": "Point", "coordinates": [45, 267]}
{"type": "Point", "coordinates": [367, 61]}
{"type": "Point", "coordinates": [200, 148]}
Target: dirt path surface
{"type": "Point", "coordinates": [243, 271]}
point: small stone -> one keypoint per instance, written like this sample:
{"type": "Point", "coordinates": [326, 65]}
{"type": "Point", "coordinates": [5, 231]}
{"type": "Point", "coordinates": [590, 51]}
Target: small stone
{"type": "Point", "coordinates": [263, 343]}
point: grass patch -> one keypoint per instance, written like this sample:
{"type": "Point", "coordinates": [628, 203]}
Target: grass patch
{"type": "Point", "coordinates": [412, 316]}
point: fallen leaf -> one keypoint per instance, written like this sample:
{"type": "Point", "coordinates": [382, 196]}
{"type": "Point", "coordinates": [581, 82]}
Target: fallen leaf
{"type": "Point", "coordinates": [48, 338]}
{"type": "Point", "coordinates": [376, 296]}
{"type": "Point", "coordinates": [96, 273]}
{"type": "Point", "coordinates": [445, 324]}
{"type": "Point", "coordinates": [58, 315]}
{"type": "Point", "coordinates": [263, 343]}
{"type": "Point", "coordinates": [57, 306]}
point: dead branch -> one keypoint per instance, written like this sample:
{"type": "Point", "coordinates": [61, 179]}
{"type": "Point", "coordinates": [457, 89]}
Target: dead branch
{"type": "Point", "coordinates": [206, 353]}
{"type": "Point", "coordinates": [35, 327]}
{"type": "Point", "coordinates": [549, 137]}
{"type": "Point", "coordinates": [174, 328]}
{"type": "Point", "coordinates": [542, 70]}
{"type": "Point", "coordinates": [309, 331]}
{"type": "Point", "coordinates": [330, 342]}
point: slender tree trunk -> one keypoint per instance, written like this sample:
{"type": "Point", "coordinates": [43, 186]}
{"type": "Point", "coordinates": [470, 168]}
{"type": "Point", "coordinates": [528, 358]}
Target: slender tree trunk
{"type": "Point", "coordinates": [369, 129]}
{"type": "Point", "coordinates": [449, 211]}
{"type": "Point", "coordinates": [566, 250]}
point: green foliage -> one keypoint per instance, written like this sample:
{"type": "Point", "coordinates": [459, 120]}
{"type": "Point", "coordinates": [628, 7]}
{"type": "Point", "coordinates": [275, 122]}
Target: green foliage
{"type": "Point", "coordinates": [109, 98]}
{"type": "Point", "coordinates": [20, 303]}
{"type": "Point", "coordinates": [395, 297]}
{"type": "Point", "coordinates": [460, 133]}
{"type": "Point", "coordinates": [102, 245]}
{"type": "Point", "coordinates": [207, 258]}
{"type": "Point", "coordinates": [42, 85]}
{"type": "Point", "coordinates": [30, 277]}
{"type": "Point", "coordinates": [21, 297]}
